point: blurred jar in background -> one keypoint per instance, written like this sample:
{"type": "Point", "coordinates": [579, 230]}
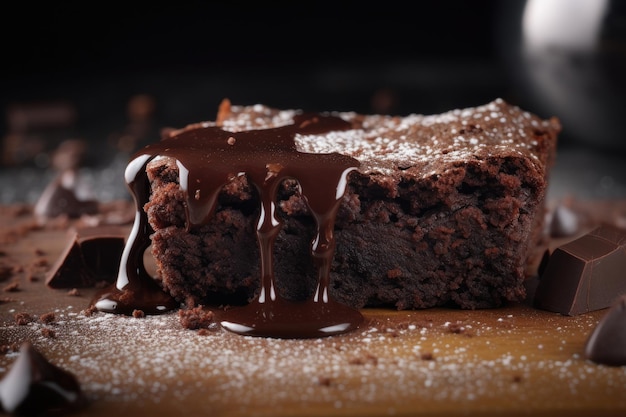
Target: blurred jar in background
{"type": "Point", "coordinates": [568, 58]}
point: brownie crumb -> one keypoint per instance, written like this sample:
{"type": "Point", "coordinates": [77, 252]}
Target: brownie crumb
{"type": "Point", "coordinates": [37, 269]}
{"type": "Point", "coordinates": [41, 262]}
{"type": "Point", "coordinates": [324, 381]}
{"type": "Point", "coordinates": [47, 318]}
{"type": "Point", "coordinates": [393, 333]}
{"type": "Point", "coordinates": [22, 319]}
{"type": "Point", "coordinates": [9, 348]}
{"type": "Point", "coordinates": [90, 311]}
{"type": "Point", "coordinates": [406, 324]}
{"type": "Point", "coordinates": [517, 378]}
{"type": "Point", "coordinates": [12, 287]}
{"type": "Point", "coordinates": [31, 276]}
{"type": "Point", "coordinates": [427, 356]}
{"type": "Point", "coordinates": [394, 273]}
{"type": "Point", "coordinates": [422, 324]}
{"type": "Point", "coordinates": [196, 318]}
{"type": "Point", "coordinates": [139, 314]}
{"type": "Point", "coordinates": [366, 358]}
{"type": "Point", "coordinates": [48, 332]}
{"type": "Point", "coordinates": [456, 328]}
{"type": "Point", "coordinates": [74, 292]}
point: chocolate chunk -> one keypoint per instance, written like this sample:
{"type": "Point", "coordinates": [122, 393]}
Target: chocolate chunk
{"type": "Point", "coordinates": [607, 343]}
{"type": "Point", "coordinates": [59, 198]}
{"type": "Point", "coordinates": [586, 274]}
{"type": "Point", "coordinates": [91, 255]}
{"type": "Point", "coordinates": [564, 222]}
{"type": "Point", "coordinates": [102, 248]}
{"type": "Point", "coordinates": [69, 269]}
{"type": "Point", "coordinates": [36, 387]}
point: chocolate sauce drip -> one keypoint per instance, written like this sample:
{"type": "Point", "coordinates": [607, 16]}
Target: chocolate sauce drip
{"type": "Point", "coordinates": [208, 158]}
{"type": "Point", "coordinates": [135, 289]}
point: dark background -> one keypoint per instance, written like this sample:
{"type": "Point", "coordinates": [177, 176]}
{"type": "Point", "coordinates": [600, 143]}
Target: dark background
{"type": "Point", "coordinates": [387, 57]}
{"type": "Point", "coordinates": [319, 55]}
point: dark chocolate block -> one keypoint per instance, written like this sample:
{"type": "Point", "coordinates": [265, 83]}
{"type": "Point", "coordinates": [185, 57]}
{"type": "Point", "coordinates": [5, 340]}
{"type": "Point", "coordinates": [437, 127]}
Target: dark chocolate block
{"type": "Point", "coordinates": [36, 387]}
{"type": "Point", "coordinates": [586, 274]}
{"type": "Point", "coordinates": [444, 210]}
{"type": "Point", "coordinates": [91, 255]}
{"type": "Point", "coordinates": [59, 199]}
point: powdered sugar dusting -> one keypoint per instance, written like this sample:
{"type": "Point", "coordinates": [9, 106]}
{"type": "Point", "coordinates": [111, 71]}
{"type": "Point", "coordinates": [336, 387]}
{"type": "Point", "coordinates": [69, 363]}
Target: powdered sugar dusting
{"type": "Point", "coordinates": [384, 144]}
{"type": "Point", "coordinates": [258, 116]}
{"type": "Point", "coordinates": [441, 360]}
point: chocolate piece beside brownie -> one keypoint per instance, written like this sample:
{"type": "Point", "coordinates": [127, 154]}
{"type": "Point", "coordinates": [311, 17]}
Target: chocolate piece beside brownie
{"type": "Point", "coordinates": [585, 274]}
{"type": "Point", "coordinates": [92, 255]}
{"type": "Point", "coordinates": [607, 342]}
{"type": "Point", "coordinates": [442, 210]}
{"type": "Point", "coordinates": [36, 387]}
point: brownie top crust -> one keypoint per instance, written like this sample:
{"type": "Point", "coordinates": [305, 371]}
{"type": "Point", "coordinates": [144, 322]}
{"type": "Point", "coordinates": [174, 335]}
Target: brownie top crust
{"type": "Point", "coordinates": [415, 145]}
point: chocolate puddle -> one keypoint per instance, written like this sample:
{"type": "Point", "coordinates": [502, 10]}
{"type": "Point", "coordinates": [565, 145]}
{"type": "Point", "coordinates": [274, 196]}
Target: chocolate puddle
{"type": "Point", "coordinates": [208, 158]}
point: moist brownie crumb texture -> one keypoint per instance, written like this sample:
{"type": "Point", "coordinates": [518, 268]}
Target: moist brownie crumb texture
{"type": "Point", "coordinates": [444, 210]}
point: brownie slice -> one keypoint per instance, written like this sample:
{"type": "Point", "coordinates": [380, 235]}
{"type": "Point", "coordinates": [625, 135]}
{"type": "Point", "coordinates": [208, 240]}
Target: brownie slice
{"type": "Point", "coordinates": [444, 210]}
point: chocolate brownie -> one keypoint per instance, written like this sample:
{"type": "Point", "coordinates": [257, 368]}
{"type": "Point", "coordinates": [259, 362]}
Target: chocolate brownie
{"type": "Point", "coordinates": [443, 210]}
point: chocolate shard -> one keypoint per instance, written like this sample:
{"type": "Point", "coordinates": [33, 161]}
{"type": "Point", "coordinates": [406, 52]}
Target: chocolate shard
{"type": "Point", "coordinates": [585, 274]}
{"type": "Point", "coordinates": [564, 222]}
{"type": "Point", "coordinates": [69, 269]}
{"type": "Point", "coordinates": [102, 248]}
{"type": "Point", "coordinates": [59, 198]}
{"type": "Point", "coordinates": [35, 387]}
{"type": "Point", "coordinates": [91, 255]}
{"type": "Point", "coordinates": [607, 343]}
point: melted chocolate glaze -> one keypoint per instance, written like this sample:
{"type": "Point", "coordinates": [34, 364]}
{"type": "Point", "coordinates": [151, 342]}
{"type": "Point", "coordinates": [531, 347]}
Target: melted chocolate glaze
{"type": "Point", "coordinates": [208, 158]}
